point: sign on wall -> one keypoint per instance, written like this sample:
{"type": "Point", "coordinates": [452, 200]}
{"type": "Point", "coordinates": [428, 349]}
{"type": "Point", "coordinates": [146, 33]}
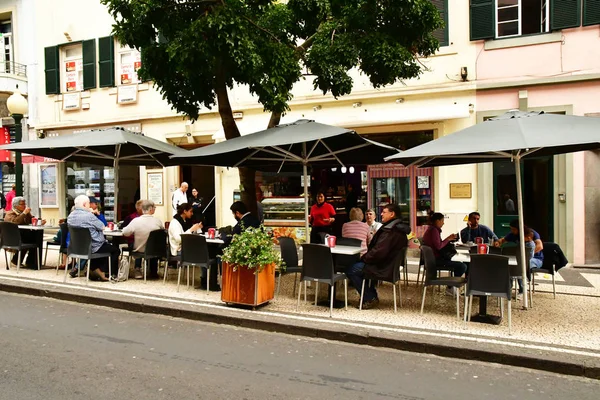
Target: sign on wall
{"type": "Point", "coordinates": [155, 188]}
{"type": "Point", "coordinates": [49, 187]}
{"type": "Point", "coordinates": [460, 190]}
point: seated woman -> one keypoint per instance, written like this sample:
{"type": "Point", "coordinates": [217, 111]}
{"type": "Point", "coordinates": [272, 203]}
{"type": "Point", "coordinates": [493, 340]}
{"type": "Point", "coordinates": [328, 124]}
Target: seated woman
{"type": "Point", "coordinates": [433, 239]}
{"type": "Point", "coordinates": [177, 226]}
{"type": "Point", "coordinates": [356, 229]}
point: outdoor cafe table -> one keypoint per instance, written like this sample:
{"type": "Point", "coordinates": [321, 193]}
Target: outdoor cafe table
{"type": "Point", "coordinates": [482, 315]}
{"type": "Point", "coordinates": [38, 230]}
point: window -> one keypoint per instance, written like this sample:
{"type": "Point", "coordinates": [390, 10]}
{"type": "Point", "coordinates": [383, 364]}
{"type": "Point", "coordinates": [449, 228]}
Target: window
{"type": "Point", "coordinates": [129, 62]}
{"type": "Point", "coordinates": [72, 68]}
{"type": "Point", "coordinates": [6, 55]}
{"type": "Point", "coordinates": [521, 17]}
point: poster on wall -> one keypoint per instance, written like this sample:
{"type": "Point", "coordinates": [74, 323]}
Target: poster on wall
{"type": "Point", "coordinates": [48, 179]}
{"type": "Point", "coordinates": [4, 139]}
{"type": "Point", "coordinates": [155, 188]}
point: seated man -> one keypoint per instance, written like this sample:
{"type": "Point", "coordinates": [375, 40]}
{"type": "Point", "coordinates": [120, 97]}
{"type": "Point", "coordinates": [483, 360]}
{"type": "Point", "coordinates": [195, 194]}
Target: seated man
{"type": "Point", "coordinates": [244, 219]}
{"type": "Point", "coordinates": [380, 259]}
{"type": "Point", "coordinates": [82, 217]}
{"type": "Point", "coordinates": [20, 214]}
{"type": "Point", "coordinates": [141, 228]}
{"type": "Point", "coordinates": [538, 255]}
{"type": "Point", "coordinates": [475, 230]}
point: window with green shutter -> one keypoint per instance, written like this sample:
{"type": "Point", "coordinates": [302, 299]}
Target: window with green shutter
{"type": "Point", "coordinates": [52, 70]}
{"type": "Point", "coordinates": [482, 19]}
{"type": "Point", "coordinates": [442, 34]}
{"type": "Point", "coordinates": [565, 14]}
{"type": "Point", "coordinates": [106, 61]}
{"type": "Point", "coordinates": [89, 64]}
{"type": "Point", "coordinates": [591, 12]}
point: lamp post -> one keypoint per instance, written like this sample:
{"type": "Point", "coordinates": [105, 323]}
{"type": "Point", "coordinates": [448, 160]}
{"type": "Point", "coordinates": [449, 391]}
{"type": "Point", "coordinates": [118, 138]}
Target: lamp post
{"type": "Point", "coordinates": [18, 107]}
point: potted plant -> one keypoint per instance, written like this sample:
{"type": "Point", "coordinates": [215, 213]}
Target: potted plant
{"type": "Point", "coordinates": [249, 264]}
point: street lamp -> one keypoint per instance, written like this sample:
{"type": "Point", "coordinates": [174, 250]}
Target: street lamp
{"type": "Point", "coordinates": [18, 107]}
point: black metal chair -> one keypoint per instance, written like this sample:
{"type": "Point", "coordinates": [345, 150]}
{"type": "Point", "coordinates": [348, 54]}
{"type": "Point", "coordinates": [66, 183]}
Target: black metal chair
{"type": "Point", "coordinates": [64, 231]}
{"type": "Point", "coordinates": [516, 271]}
{"type": "Point", "coordinates": [80, 248]}
{"type": "Point", "coordinates": [400, 263]}
{"type": "Point", "coordinates": [289, 254]}
{"type": "Point", "coordinates": [194, 252]}
{"type": "Point", "coordinates": [11, 240]}
{"type": "Point", "coordinates": [317, 266]}
{"type": "Point", "coordinates": [489, 275]}
{"type": "Point", "coordinates": [156, 247]}
{"type": "Point", "coordinates": [343, 261]}
{"type": "Point", "coordinates": [549, 266]}
{"type": "Point", "coordinates": [432, 279]}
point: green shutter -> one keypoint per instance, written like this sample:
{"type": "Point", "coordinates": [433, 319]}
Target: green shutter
{"type": "Point", "coordinates": [482, 16]}
{"type": "Point", "coordinates": [591, 12]}
{"type": "Point", "coordinates": [52, 70]}
{"type": "Point", "coordinates": [441, 34]}
{"type": "Point", "coordinates": [89, 64]}
{"type": "Point", "coordinates": [106, 61]}
{"type": "Point", "coordinates": [565, 14]}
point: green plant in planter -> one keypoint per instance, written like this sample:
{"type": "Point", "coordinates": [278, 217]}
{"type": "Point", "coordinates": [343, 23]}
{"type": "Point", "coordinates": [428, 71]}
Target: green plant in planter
{"type": "Point", "coordinates": [253, 249]}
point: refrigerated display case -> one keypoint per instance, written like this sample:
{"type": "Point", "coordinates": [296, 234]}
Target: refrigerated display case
{"type": "Point", "coordinates": [284, 216]}
{"type": "Point", "coordinates": [391, 190]}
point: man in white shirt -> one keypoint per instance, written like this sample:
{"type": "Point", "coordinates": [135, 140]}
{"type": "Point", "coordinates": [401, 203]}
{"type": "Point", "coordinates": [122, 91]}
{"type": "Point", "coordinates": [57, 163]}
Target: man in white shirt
{"type": "Point", "coordinates": [141, 228]}
{"type": "Point", "coordinates": [179, 196]}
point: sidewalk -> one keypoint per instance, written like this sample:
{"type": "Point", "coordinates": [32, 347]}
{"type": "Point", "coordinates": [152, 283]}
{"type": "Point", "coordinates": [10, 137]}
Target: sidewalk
{"type": "Point", "coordinates": [559, 335]}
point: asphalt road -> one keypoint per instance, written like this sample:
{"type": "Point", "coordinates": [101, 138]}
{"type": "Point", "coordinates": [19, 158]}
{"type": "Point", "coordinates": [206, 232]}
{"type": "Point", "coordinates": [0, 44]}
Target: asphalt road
{"type": "Point", "coordinates": [59, 350]}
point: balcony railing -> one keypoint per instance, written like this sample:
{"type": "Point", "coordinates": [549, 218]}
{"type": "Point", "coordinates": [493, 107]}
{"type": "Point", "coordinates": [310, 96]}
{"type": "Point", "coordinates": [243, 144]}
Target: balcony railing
{"type": "Point", "coordinates": [13, 68]}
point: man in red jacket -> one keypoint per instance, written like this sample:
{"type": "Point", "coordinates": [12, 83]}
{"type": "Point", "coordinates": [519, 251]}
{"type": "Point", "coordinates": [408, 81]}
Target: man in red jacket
{"type": "Point", "coordinates": [380, 259]}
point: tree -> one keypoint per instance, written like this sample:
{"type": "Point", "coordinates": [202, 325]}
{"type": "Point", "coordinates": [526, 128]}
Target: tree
{"type": "Point", "coordinates": [195, 50]}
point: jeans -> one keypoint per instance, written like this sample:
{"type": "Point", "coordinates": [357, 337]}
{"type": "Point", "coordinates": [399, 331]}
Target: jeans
{"type": "Point", "coordinates": [356, 276]}
{"type": "Point", "coordinates": [533, 263]}
{"type": "Point", "coordinates": [458, 268]}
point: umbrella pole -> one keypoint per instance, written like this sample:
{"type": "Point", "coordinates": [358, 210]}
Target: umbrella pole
{"type": "Point", "coordinates": [305, 177]}
{"type": "Point", "coordinates": [116, 176]}
{"type": "Point", "coordinates": [521, 230]}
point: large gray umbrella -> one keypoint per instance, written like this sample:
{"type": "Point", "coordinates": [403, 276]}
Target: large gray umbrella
{"type": "Point", "coordinates": [292, 147]}
{"type": "Point", "coordinates": [514, 136]}
{"type": "Point", "coordinates": [110, 147]}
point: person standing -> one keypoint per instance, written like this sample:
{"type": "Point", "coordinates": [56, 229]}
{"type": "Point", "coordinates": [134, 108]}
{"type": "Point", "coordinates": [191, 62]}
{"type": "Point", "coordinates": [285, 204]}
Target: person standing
{"type": "Point", "coordinates": [179, 196]}
{"type": "Point", "coordinates": [9, 198]}
{"type": "Point", "coordinates": [351, 199]}
{"type": "Point", "coordinates": [321, 218]}
{"type": "Point", "coordinates": [196, 201]}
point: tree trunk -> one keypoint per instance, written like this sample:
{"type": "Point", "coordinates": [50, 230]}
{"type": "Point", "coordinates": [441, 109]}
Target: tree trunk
{"type": "Point", "coordinates": [247, 176]}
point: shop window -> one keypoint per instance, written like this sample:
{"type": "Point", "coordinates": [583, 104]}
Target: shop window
{"type": "Point", "coordinates": [6, 55]}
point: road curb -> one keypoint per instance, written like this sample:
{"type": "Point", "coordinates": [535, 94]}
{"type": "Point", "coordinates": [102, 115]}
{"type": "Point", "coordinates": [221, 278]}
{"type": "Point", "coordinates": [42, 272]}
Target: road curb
{"type": "Point", "coordinates": [544, 360]}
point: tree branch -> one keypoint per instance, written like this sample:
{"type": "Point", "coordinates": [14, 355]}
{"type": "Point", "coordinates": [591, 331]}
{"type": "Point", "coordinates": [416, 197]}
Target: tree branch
{"type": "Point", "coordinates": [274, 120]}
{"type": "Point", "coordinates": [225, 112]}
{"type": "Point", "coordinates": [306, 44]}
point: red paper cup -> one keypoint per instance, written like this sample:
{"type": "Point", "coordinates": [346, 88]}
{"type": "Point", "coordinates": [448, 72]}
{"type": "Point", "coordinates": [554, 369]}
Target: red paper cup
{"type": "Point", "coordinates": [211, 233]}
{"type": "Point", "coordinates": [34, 221]}
{"type": "Point", "coordinates": [478, 240]}
{"type": "Point", "coordinates": [111, 225]}
{"type": "Point", "coordinates": [482, 248]}
{"type": "Point", "coordinates": [331, 240]}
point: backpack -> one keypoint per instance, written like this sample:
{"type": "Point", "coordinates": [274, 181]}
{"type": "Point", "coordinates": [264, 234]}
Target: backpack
{"type": "Point", "coordinates": [123, 273]}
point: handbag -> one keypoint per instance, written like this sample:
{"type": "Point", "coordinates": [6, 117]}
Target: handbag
{"type": "Point", "coordinates": [448, 251]}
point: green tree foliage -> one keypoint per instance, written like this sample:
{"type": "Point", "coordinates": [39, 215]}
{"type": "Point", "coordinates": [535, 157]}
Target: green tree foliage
{"type": "Point", "coordinates": [193, 50]}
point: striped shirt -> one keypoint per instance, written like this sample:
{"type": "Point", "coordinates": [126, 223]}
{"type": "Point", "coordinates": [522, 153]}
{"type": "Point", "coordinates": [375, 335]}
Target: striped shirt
{"type": "Point", "coordinates": [357, 230]}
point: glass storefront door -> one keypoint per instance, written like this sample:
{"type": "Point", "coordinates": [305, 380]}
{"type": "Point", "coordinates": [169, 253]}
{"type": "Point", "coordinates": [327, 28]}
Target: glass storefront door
{"type": "Point", "coordinates": [392, 190]}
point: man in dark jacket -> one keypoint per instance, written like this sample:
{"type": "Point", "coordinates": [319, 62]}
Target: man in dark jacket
{"type": "Point", "coordinates": [244, 219]}
{"type": "Point", "coordinates": [380, 259]}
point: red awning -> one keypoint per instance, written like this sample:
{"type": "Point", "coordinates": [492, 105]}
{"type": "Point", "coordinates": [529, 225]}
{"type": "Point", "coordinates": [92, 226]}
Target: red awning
{"type": "Point", "coordinates": [29, 159]}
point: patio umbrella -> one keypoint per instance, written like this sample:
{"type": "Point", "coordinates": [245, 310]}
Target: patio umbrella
{"type": "Point", "coordinates": [292, 147]}
{"type": "Point", "coordinates": [110, 147]}
{"type": "Point", "coordinates": [514, 136]}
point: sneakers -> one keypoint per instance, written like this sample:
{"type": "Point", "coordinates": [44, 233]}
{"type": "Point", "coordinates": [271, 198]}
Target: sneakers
{"type": "Point", "coordinates": [137, 274]}
{"type": "Point", "coordinates": [74, 273]}
{"type": "Point", "coordinates": [370, 304]}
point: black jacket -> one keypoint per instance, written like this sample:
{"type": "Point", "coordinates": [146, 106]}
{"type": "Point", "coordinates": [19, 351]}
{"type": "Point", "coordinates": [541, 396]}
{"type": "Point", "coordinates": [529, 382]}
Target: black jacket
{"type": "Point", "coordinates": [247, 221]}
{"type": "Point", "coordinates": [380, 258]}
{"type": "Point", "coordinates": [553, 254]}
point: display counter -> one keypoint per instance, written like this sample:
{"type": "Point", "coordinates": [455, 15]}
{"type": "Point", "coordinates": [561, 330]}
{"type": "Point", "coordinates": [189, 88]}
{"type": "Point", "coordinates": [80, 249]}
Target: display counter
{"type": "Point", "coordinates": [284, 216]}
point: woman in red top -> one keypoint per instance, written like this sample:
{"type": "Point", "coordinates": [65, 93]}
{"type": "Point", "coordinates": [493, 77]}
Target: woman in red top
{"type": "Point", "coordinates": [321, 218]}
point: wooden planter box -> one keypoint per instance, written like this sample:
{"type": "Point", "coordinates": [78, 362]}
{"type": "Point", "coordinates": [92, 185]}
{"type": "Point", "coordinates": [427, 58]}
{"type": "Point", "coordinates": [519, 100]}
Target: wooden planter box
{"type": "Point", "coordinates": [244, 287]}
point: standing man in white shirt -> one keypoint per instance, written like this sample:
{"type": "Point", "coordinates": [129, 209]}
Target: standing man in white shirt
{"type": "Point", "coordinates": [179, 197]}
